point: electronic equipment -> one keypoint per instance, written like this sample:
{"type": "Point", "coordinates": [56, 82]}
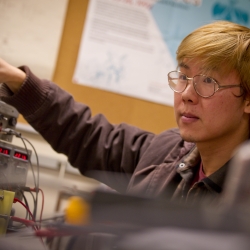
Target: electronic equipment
{"type": "Point", "coordinates": [14, 160]}
{"type": "Point", "coordinates": [8, 119]}
{"type": "Point", "coordinates": [14, 164]}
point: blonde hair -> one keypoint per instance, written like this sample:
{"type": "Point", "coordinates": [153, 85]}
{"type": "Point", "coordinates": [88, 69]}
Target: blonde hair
{"type": "Point", "coordinates": [220, 45]}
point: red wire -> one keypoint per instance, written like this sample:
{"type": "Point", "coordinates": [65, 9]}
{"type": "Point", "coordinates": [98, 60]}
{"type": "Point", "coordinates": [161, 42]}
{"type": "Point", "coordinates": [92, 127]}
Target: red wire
{"type": "Point", "coordinates": [27, 223]}
{"type": "Point", "coordinates": [17, 200]}
{"type": "Point", "coordinates": [24, 221]}
{"type": "Point", "coordinates": [51, 233]}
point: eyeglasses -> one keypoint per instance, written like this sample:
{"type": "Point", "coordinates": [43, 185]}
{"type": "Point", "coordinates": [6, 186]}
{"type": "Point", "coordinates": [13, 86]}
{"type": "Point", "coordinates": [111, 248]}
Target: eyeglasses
{"type": "Point", "coordinates": [204, 86]}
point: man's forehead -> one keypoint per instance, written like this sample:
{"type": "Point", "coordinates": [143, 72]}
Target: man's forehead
{"type": "Point", "coordinates": [190, 64]}
{"type": "Point", "coordinates": [198, 64]}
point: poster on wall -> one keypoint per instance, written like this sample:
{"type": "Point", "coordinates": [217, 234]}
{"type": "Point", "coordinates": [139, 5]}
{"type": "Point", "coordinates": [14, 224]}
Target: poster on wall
{"type": "Point", "coordinates": [129, 46]}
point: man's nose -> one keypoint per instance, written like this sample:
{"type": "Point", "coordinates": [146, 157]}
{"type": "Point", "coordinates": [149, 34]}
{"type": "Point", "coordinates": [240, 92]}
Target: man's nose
{"type": "Point", "coordinates": [189, 94]}
{"type": "Point", "coordinates": [189, 83]}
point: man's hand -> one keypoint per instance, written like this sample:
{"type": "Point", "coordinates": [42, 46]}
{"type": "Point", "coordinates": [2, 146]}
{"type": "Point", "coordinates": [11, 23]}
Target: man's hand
{"type": "Point", "coordinates": [11, 75]}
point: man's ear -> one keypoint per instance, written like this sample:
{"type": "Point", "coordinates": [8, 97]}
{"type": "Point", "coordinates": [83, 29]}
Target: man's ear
{"type": "Point", "coordinates": [247, 106]}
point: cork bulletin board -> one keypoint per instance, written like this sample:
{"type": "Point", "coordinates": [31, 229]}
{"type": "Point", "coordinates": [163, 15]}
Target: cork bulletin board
{"type": "Point", "coordinates": [117, 108]}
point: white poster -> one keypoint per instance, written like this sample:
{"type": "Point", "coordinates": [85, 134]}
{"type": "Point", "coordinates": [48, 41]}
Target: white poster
{"type": "Point", "coordinates": [129, 46]}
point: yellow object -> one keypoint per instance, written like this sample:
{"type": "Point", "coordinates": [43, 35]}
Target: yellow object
{"type": "Point", "coordinates": [6, 202]}
{"type": "Point", "coordinates": [77, 211]}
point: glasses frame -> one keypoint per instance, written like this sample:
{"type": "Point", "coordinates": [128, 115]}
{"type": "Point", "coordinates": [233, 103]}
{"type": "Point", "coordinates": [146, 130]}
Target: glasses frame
{"type": "Point", "coordinates": [194, 84]}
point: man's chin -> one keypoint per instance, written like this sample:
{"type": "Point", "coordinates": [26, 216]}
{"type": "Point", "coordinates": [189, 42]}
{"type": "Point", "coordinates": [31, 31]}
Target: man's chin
{"type": "Point", "coordinates": [188, 137]}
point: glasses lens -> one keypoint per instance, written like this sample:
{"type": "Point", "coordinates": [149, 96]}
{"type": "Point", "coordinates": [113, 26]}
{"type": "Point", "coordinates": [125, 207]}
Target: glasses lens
{"type": "Point", "coordinates": [204, 86]}
{"type": "Point", "coordinates": [177, 81]}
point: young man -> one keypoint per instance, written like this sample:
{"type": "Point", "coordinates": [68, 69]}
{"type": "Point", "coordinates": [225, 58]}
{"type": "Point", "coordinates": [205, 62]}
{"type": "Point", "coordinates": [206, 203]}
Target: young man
{"type": "Point", "coordinates": [211, 90]}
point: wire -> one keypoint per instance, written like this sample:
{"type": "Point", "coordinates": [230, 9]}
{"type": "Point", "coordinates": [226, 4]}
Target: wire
{"type": "Point", "coordinates": [27, 223]}
{"type": "Point", "coordinates": [9, 131]}
{"type": "Point", "coordinates": [36, 182]}
{"type": "Point", "coordinates": [19, 226]}
{"type": "Point", "coordinates": [33, 197]}
{"type": "Point", "coordinates": [37, 160]}
{"type": "Point", "coordinates": [27, 209]}
{"type": "Point", "coordinates": [33, 172]}
{"type": "Point", "coordinates": [26, 203]}
{"type": "Point", "coordinates": [41, 213]}
{"type": "Point", "coordinates": [23, 221]}
{"type": "Point", "coordinates": [61, 218]}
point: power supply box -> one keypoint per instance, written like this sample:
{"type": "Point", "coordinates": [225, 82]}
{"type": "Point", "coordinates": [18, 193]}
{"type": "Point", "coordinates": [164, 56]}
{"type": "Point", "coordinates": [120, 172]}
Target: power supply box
{"type": "Point", "coordinates": [14, 165]}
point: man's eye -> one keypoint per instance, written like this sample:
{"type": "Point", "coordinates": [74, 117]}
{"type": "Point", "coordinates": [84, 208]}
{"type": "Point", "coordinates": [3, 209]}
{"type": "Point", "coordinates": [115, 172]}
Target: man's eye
{"type": "Point", "coordinates": [182, 77]}
{"type": "Point", "coordinates": [208, 80]}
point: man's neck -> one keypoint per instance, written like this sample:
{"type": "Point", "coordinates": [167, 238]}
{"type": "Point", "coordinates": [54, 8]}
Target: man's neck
{"type": "Point", "coordinates": [215, 154]}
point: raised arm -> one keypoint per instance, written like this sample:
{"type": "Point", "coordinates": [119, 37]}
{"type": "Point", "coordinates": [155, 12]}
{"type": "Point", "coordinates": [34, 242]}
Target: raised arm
{"type": "Point", "coordinates": [90, 143]}
{"type": "Point", "coordinates": [12, 76]}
